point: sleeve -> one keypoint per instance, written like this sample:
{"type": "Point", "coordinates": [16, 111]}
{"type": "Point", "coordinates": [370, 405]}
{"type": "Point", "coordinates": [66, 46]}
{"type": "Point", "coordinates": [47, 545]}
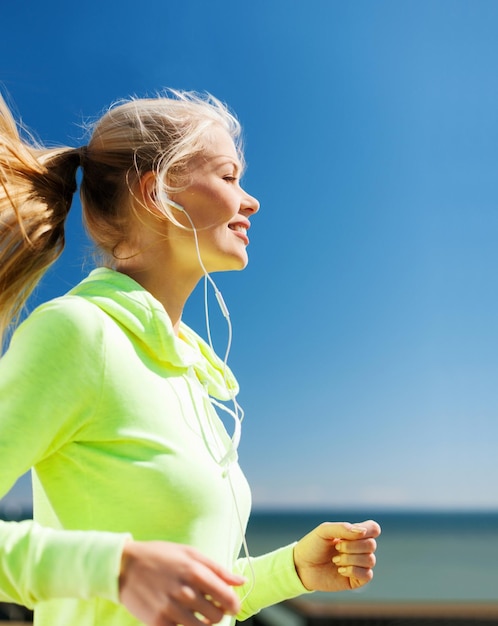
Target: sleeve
{"type": "Point", "coordinates": [271, 578]}
{"type": "Point", "coordinates": [39, 563]}
{"type": "Point", "coordinates": [50, 380]}
{"type": "Point", "coordinates": [50, 384]}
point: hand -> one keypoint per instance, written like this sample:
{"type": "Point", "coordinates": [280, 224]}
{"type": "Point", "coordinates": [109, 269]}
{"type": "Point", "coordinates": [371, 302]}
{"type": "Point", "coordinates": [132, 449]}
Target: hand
{"type": "Point", "coordinates": [165, 584]}
{"type": "Point", "coordinates": [337, 556]}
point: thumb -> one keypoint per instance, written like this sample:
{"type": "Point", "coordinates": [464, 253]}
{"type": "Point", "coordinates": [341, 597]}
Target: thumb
{"type": "Point", "coordinates": [341, 530]}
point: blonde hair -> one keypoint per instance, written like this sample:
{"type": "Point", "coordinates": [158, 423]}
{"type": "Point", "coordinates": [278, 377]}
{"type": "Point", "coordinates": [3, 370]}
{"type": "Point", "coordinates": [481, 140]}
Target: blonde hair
{"type": "Point", "coordinates": [37, 184]}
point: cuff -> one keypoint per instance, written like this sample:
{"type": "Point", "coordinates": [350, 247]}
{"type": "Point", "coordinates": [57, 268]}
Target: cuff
{"type": "Point", "coordinates": [273, 579]}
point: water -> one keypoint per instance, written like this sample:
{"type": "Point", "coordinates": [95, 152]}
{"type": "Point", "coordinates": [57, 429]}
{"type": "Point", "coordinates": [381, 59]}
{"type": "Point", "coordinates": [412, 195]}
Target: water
{"type": "Point", "coordinates": [421, 556]}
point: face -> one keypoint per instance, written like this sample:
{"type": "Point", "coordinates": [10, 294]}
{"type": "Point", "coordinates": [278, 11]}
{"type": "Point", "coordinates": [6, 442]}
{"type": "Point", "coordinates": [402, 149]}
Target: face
{"type": "Point", "coordinates": [217, 206]}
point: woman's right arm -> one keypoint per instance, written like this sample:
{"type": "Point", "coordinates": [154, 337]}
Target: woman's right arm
{"type": "Point", "coordinates": [46, 376]}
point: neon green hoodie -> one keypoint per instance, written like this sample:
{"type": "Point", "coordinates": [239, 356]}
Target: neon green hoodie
{"type": "Point", "coordinates": [112, 412]}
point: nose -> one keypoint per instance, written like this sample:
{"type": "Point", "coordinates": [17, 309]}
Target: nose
{"type": "Point", "coordinates": [249, 204]}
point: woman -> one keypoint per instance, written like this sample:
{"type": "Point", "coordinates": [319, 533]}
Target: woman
{"type": "Point", "coordinates": [140, 506]}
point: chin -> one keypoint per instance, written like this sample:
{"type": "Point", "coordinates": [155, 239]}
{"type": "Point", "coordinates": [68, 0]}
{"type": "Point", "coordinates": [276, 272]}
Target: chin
{"type": "Point", "coordinates": [241, 264]}
{"type": "Point", "coordinates": [232, 268]}
{"type": "Point", "coordinates": [229, 263]}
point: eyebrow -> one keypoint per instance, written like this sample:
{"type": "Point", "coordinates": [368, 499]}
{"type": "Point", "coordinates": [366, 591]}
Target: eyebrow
{"type": "Point", "coordinates": [226, 159]}
{"type": "Point", "coordinates": [239, 167]}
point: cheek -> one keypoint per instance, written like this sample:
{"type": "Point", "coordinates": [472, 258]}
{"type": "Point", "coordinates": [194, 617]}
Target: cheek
{"type": "Point", "coordinates": [208, 205]}
{"type": "Point", "coordinates": [216, 212]}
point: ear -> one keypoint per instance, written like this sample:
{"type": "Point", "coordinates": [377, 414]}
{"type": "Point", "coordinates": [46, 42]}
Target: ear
{"type": "Point", "coordinates": [147, 186]}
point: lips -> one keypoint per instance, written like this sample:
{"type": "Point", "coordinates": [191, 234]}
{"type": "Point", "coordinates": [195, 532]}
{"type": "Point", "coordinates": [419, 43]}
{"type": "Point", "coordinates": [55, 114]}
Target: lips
{"type": "Point", "coordinates": [240, 228]}
{"type": "Point", "coordinates": [240, 225]}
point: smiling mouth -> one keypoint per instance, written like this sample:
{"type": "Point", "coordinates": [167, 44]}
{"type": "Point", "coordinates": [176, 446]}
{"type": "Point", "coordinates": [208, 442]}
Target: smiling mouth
{"type": "Point", "coordinates": [239, 228]}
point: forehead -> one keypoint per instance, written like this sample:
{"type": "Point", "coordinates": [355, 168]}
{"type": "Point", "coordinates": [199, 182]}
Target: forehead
{"type": "Point", "coordinates": [219, 147]}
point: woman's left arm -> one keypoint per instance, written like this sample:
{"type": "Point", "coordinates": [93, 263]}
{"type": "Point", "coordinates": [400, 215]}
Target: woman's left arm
{"type": "Point", "coordinates": [335, 556]}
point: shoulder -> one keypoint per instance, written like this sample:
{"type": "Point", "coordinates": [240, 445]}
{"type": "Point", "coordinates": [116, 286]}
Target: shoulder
{"type": "Point", "coordinates": [69, 322]}
{"type": "Point", "coordinates": [68, 313]}
{"type": "Point", "coordinates": [61, 340]}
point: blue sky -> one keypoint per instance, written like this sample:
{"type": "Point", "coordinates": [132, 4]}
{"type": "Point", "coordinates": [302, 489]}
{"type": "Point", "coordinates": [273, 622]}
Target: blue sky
{"type": "Point", "coordinates": [366, 325]}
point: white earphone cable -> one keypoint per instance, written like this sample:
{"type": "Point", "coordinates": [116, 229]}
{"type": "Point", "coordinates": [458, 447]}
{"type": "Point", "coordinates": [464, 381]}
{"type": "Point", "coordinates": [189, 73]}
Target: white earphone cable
{"type": "Point", "coordinates": [237, 413]}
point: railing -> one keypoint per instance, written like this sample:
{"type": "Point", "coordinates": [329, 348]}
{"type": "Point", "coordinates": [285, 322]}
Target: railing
{"type": "Point", "coordinates": [15, 614]}
{"type": "Point", "coordinates": [306, 613]}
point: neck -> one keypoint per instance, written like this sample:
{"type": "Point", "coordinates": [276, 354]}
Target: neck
{"type": "Point", "coordinates": [164, 264]}
{"type": "Point", "coordinates": [171, 288]}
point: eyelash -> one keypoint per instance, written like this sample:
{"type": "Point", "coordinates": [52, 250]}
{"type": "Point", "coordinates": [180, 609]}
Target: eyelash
{"type": "Point", "coordinates": [230, 179]}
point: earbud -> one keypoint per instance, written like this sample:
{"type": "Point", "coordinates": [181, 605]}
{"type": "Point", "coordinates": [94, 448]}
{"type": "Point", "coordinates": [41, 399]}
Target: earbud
{"type": "Point", "coordinates": [175, 205]}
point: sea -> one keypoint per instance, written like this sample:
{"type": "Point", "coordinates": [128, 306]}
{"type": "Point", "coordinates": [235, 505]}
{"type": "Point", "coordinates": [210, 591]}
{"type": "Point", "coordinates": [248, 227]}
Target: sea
{"type": "Point", "coordinates": [421, 555]}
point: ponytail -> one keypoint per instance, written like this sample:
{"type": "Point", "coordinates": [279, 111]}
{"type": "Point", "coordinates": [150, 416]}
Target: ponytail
{"type": "Point", "coordinates": [36, 191]}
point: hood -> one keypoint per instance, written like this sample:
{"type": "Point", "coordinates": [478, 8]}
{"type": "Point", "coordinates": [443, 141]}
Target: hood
{"type": "Point", "coordinates": [145, 318]}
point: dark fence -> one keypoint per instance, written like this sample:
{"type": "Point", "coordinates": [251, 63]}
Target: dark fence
{"type": "Point", "coordinates": [306, 613]}
{"type": "Point", "coordinates": [15, 613]}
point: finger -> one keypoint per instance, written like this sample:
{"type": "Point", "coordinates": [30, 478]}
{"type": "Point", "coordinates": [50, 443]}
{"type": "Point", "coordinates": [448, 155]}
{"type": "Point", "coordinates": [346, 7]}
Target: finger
{"type": "Point", "coordinates": [341, 530]}
{"type": "Point", "coordinates": [355, 560]}
{"type": "Point", "coordinates": [210, 609]}
{"type": "Point", "coordinates": [215, 581]}
{"type": "Point", "coordinates": [221, 594]}
{"type": "Point", "coordinates": [213, 614]}
{"type": "Point", "coordinates": [181, 615]}
{"type": "Point", "coordinates": [373, 528]}
{"type": "Point", "coordinates": [358, 575]}
{"type": "Point", "coordinates": [361, 546]}
{"type": "Point", "coordinates": [204, 605]}
{"type": "Point", "coordinates": [235, 580]}
{"type": "Point", "coordinates": [346, 530]}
